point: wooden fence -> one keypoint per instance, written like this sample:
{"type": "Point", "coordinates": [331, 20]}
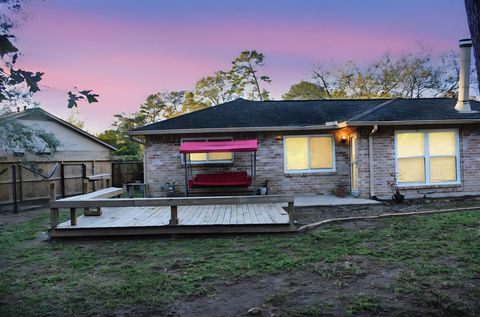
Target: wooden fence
{"type": "Point", "coordinates": [20, 182]}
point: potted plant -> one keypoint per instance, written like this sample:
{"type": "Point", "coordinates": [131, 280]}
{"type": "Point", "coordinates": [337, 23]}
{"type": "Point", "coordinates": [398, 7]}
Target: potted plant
{"type": "Point", "coordinates": [341, 190]}
{"type": "Point", "coordinates": [264, 188]}
{"type": "Point", "coordinates": [397, 196]}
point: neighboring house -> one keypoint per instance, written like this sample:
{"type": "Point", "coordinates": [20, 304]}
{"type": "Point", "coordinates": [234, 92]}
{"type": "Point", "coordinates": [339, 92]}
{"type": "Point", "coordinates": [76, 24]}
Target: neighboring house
{"type": "Point", "coordinates": [77, 149]}
{"type": "Point", "coordinates": [427, 146]}
{"type": "Point", "coordinates": [75, 143]}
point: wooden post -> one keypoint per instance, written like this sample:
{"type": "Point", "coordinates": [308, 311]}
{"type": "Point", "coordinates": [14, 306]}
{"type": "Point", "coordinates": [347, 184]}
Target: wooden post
{"type": "Point", "coordinates": [62, 179]}
{"type": "Point", "coordinates": [84, 177]}
{"type": "Point", "coordinates": [291, 210]}
{"type": "Point", "coordinates": [20, 178]}
{"type": "Point", "coordinates": [107, 183]}
{"type": "Point", "coordinates": [14, 188]}
{"type": "Point", "coordinates": [104, 183]}
{"type": "Point", "coordinates": [85, 186]}
{"type": "Point", "coordinates": [53, 211]}
{"type": "Point", "coordinates": [73, 217]}
{"type": "Point", "coordinates": [94, 184]}
{"type": "Point", "coordinates": [173, 215]}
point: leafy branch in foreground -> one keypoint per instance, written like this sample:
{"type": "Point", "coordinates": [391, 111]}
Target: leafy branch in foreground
{"type": "Point", "coordinates": [17, 86]}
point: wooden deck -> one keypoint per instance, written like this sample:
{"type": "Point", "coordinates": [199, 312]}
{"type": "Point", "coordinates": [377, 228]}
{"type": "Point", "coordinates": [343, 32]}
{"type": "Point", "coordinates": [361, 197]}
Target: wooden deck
{"type": "Point", "coordinates": [144, 216]}
{"type": "Point", "coordinates": [202, 219]}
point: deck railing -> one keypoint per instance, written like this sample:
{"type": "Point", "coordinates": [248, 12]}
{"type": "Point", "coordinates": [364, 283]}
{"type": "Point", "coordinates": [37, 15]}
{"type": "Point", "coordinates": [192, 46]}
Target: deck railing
{"type": "Point", "coordinates": [101, 199]}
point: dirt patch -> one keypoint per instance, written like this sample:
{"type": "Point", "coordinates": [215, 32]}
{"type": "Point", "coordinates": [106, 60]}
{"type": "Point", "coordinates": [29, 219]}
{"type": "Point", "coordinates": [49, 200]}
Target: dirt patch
{"type": "Point", "coordinates": [26, 213]}
{"type": "Point", "coordinates": [306, 215]}
{"type": "Point", "coordinates": [356, 286]}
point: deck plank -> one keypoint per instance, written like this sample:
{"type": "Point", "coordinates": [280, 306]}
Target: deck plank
{"type": "Point", "coordinates": [261, 214]}
{"type": "Point", "coordinates": [194, 215]}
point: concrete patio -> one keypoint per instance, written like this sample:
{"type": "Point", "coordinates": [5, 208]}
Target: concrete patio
{"type": "Point", "coordinates": [331, 200]}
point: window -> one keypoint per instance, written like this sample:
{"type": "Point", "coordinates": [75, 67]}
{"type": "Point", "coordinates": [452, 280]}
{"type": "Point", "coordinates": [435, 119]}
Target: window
{"type": "Point", "coordinates": [309, 153]}
{"type": "Point", "coordinates": [427, 157]}
{"type": "Point", "coordinates": [208, 158]}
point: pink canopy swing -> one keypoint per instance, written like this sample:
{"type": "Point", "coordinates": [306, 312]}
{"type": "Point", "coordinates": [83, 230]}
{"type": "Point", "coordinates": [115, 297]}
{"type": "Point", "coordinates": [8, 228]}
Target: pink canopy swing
{"type": "Point", "coordinates": [230, 179]}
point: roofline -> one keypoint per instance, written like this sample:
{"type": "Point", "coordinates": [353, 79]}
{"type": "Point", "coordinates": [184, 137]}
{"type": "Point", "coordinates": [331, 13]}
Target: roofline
{"type": "Point", "coordinates": [237, 129]}
{"type": "Point", "coordinates": [63, 122]}
{"type": "Point", "coordinates": [411, 122]}
{"type": "Point", "coordinates": [299, 128]}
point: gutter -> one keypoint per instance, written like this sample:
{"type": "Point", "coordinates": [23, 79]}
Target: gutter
{"type": "Point", "coordinates": [370, 159]}
{"type": "Point", "coordinates": [411, 122]}
{"type": "Point", "coordinates": [332, 126]}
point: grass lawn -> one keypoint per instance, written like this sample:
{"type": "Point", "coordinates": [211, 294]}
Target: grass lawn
{"type": "Point", "coordinates": [405, 266]}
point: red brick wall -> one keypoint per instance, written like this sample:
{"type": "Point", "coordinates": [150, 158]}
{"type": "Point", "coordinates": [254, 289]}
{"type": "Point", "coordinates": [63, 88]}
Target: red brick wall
{"type": "Point", "coordinates": [384, 163]}
{"type": "Point", "coordinates": [163, 164]}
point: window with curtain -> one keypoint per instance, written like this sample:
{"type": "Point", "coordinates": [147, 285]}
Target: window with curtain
{"type": "Point", "coordinates": [205, 158]}
{"type": "Point", "coordinates": [427, 157]}
{"type": "Point", "coordinates": [309, 153]}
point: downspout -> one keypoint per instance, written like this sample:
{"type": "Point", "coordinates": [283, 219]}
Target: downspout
{"type": "Point", "coordinates": [370, 158]}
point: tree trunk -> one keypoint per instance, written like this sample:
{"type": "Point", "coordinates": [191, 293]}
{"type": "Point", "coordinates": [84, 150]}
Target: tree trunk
{"type": "Point", "coordinates": [473, 15]}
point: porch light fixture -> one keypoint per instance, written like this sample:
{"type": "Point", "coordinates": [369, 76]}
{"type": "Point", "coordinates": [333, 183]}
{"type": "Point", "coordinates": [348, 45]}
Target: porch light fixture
{"type": "Point", "coordinates": [343, 139]}
{"type": "Point", "coordinates": [278, 137]}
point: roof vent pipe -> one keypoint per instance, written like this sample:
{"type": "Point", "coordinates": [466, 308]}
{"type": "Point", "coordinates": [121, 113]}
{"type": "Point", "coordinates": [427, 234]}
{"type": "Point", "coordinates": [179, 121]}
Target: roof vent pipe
{"type": "Point", "coordinates": [463, 104]}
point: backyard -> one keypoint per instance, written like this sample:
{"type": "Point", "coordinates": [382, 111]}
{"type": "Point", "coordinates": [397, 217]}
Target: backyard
{"type": "Point", "coordinates": [417, 265]}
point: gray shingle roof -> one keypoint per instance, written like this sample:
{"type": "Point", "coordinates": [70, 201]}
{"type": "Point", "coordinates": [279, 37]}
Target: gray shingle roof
{"type": "Point", "coordinates": [420, 109]}
{"type": "Point", "coordinates": [247, 113]}
{"type": "Point", "coordinates": [241, 113]}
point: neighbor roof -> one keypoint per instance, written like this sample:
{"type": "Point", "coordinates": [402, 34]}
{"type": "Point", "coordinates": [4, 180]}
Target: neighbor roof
{"type": "Point", "coordinates": [247, 115]}
{"type": "Point", "coordinates": [34, 113]}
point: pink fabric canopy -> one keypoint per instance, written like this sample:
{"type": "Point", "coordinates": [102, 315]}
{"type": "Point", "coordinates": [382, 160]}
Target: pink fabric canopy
{"type": "Point", "coordinates": [219, 146]}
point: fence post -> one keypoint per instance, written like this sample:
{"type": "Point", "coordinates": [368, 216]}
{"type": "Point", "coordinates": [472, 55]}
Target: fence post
{"type": "Point", "coordinates": [14, 188]}
{"type": "Point", "coordinates": [173, 215]}
{"type": "Point", "coordinates": [84, 178]}
{"type": "Point", "coordinates": [53, 211]}
{"type": "Point", "coordinates": [20, 179]}
{"type": "Point", "coordinates": [62, 179]}
{"type": "Point", "coordinates": [112, 174]}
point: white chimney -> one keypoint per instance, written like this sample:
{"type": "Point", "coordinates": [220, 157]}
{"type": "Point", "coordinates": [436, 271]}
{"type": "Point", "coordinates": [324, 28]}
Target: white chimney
{"type": "Point", "coordinates": [463, 104]}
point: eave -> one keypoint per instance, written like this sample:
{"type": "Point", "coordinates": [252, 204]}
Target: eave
{"type": "Point", "coordinates": [237, 129]}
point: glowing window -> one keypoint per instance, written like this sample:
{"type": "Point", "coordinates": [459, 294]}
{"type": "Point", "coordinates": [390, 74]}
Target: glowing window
{"type": "Point", "coordinates": [309, 153]}
{"type": "Point", "coordinates": [427, 157]}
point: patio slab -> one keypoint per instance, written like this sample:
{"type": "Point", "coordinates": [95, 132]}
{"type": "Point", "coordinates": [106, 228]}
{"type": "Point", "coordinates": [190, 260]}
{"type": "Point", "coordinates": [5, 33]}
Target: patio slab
{"type": "Point", "coordinates": [330, 200]}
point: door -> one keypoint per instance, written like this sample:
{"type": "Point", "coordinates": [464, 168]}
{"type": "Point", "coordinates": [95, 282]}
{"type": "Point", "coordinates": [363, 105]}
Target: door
{"type": "Point", "coordinates": [353, 165]}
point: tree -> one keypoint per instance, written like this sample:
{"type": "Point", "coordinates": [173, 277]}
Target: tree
{"type": "Point", "coordinates": [244, 75]}
{"type": "Point", "coordinates": [473, 15]}
{"type": "Point", "coordinates": [215, 89]}
{"type": "Point", "coordinates": [73, 118]}
{"type": "Point", "coordinates": [305, 90]}
{"type": "Point", "coordinates": [411, 75]}
{"type": "Point", "coordinates": [17, 87]}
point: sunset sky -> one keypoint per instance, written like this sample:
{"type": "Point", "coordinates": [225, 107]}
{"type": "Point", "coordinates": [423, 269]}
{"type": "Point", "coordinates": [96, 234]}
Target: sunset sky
{"type": "Point", "coordinates": [125, 50]}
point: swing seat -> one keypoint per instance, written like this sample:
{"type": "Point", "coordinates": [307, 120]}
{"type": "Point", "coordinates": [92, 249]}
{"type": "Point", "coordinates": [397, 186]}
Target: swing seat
{"type": "Point", "coordinates": [232, 179]}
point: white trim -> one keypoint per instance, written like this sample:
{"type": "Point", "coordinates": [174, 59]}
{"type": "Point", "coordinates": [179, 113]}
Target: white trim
{"type": "Point", "coordinates": [353, 136]}
{"type": "Point", "coordinates": [208, 162]}
{"type": "Point", "coordinates": [237, 129]}
{"type": "Point", "coordinates": [426, 157]}
{"type": "Point", "coordinates": [317, 170]}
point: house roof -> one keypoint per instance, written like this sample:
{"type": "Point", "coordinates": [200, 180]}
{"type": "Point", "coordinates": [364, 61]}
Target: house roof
{"type": "Point", "coordinates": [246, 115]}
{"type": "Point", "coordinates": [424, 110]}
{"type": "Point", "coordinates": [33, 113]}
{"type": "Point", "coordinates": [266, 115]}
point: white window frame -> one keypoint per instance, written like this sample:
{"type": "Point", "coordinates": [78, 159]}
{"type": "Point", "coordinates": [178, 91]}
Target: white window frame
{"type": "Point", "coordinates": [207, 161]}
{"type": "Point", "coordinates": [427, 158]}
{"type": "Point", "coordinates": [316, 170]}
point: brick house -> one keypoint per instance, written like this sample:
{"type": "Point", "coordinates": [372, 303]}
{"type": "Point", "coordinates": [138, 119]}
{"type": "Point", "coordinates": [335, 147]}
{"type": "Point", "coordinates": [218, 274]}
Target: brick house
{"type": "Point", "coordinates": [428, 147]}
